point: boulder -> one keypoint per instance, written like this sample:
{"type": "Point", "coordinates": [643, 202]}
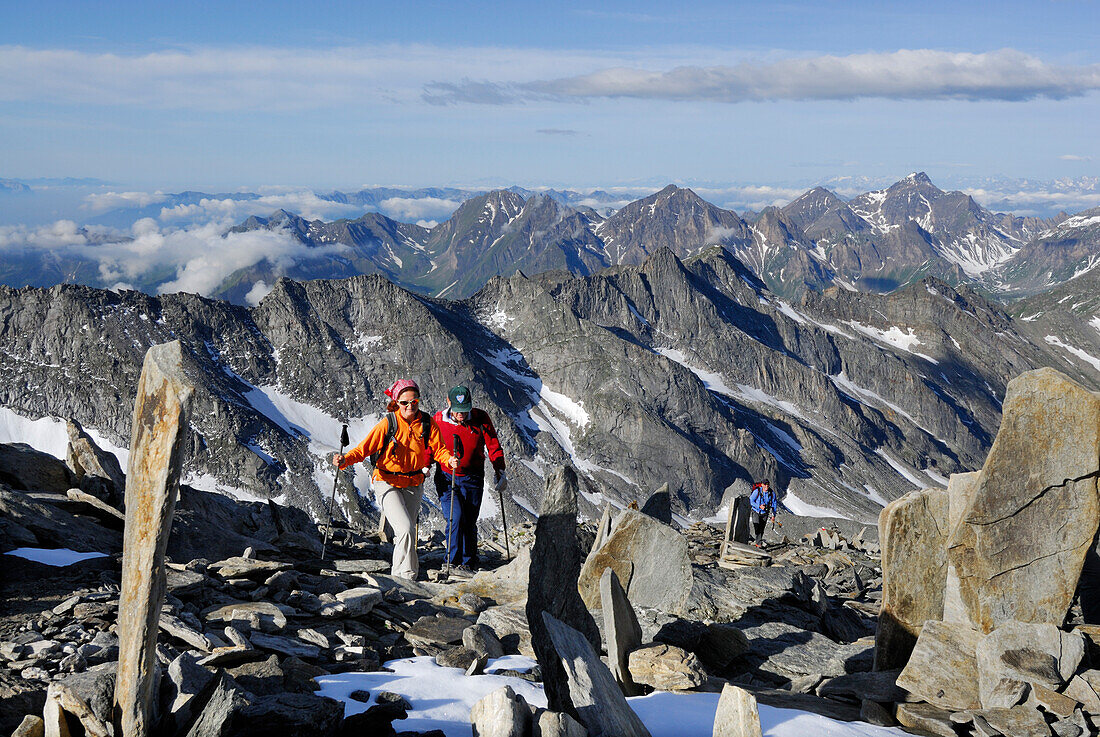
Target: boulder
{"type": "Point", "coordinates": [928, 718]}
{"type": "Point", "coordinates": [240, 567]}
{"type": "Point", "coordinates": [943, 668]}
{"type": "Point", "coordinates": [89, 697]}
{"type": "Point", "coordinates": [659, 505]}
{"type": "Point", "coordinates": [961, 488]}
{"type": "Point", "coordinates": [597, 699]}
{"type": "Point", "coordinates": [482, 640]}
{"type": "Point", "coordinates": [501, 713]}
{"type": "Point", "coordinates": [913, 534]}
{"type": "Point", "coordinates": [666, 668]}
{"type": "Point", "coordinates": [436, 631]}
{"type": "Point", "coordinates": [31, 726]}
{"type": "Point", "coordinates": [510, 625]}
{"type": "Point", "coordinates": [651, 560]}
{"type": "Point", "coordinates": [1018, 721]}
{"type": "Point", "coordinates": [879, 686]}
{"type": "Point", "coordinates": [359, 601]}
{"type": "Point", "coordinates": [737, 714]}
{"type": "Point", "coordinates": [621, 630]}
{"type": "Point", "coordinates": [51, 527]}
{"type": "Point", "coordinates": [87, 460]}
{"type": "Point", "coordinates": [161, 428]}
{"type": "Point", "coordinates": [233, 712]}
{"type": "Point", "coordinates": [720, 645]}
{"type": "Point", "coordinates": [556, 724]}
{"type": "Point", "coordinates": [1018, 653]}
{"type": "Point", "coordinates": [1020, 544]}
{"type": "Point", "coordinates": [552, 587]}
{"type": "Point", "coordinates": [25, 469]}
{"type": "Point", "coordinates": [377, 721]}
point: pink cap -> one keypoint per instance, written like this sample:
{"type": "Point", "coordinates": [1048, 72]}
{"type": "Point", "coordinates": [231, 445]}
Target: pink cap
{"type": "Point", "coordinates": [401, 385]}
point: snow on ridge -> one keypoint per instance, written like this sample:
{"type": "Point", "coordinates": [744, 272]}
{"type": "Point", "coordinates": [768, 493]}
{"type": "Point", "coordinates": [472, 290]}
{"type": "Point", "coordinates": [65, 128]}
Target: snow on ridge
{"type": "Point", "coordinates": [892, 337]}
{"type": "Point", "coordinates": [1095, 322]}
{"type": "Point", "coordinates": [805, 509]}
{"type": "Point", "coordinates": [902, 470]}
{"type": "Point", "coordinates": [49, 435]}
{"type": "Point", "coordinates": [1086, 357]}
{"type": "Point", "coordinates": [861, 394]}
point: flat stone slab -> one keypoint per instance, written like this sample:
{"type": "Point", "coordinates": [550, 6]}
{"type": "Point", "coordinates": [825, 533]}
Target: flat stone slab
{"type": "Point", "coordinates": [365, 565]}
{"type": "Point", "coordinates": [437, 631]}
{"type": "Point", "coordinates": [291, 646]}
{"type": "Point", "coordinates": [943, 669]}
{"type": "Point", "coordinates": [247, 568]}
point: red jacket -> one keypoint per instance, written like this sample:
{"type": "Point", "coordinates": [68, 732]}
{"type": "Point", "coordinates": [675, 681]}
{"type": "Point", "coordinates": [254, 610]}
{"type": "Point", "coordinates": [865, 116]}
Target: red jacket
{"type": "Point", "coordinates": [478, 438]}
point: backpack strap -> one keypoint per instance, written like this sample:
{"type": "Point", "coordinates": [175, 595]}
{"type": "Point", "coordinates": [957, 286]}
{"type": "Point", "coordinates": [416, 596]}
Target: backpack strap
{"type": "Point", "coordinates": [391, 432]}
{"type": "Point", "coordinates": [425, 427]}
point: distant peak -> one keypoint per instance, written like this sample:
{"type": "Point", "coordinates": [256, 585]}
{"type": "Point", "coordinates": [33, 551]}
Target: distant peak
{"type": "Point", "coordinates": [918, 177]}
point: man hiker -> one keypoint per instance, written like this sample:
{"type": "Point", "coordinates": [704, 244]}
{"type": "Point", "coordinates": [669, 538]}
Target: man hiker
{"type": "Point", "coordinates": [763, 504]}
{"type": "Point", "coordinates": [461, 502]}
{"type": "Point", "coordinates": [401, 446]}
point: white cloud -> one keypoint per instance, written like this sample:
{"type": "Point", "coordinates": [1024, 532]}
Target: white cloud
{"type": "Point", "coordinates": [301, 202]}
{"type": "Point", "coordinates": [1074, 157]}
{"type": "Point", "coordinates": [908, 74]}
{"type": "Point", "coordinates": [408, 208]}
{"type": "Point", "coordinates": [116, 200]}
{"type": "Point", "coordinates": [258, 291]}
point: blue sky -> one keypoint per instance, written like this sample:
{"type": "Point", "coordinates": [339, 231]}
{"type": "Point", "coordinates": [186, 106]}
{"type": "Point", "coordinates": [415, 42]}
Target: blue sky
{"type": "Point", "coordinates": [224, 95]}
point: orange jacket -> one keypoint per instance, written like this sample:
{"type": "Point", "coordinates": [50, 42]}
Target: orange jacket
{"type": "Point", "coordinates": [405, 456]}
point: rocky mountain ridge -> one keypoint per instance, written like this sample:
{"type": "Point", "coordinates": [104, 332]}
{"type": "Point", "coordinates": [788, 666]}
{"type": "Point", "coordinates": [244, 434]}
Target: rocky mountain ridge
{"type": "Point", "coordinates": [688, 372]}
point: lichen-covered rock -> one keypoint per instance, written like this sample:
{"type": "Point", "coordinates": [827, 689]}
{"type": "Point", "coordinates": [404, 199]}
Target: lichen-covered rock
{"type": "Point", "coordinates": [913, 533]}
{"type": "Point", "coordinates": [943, 669]}
{"type": "Point", "coordinates": [1020, 544]}
{"type": "Point", "coordinates": [666, 668]}
{"type": "Point", "coordinates": [1018, 653]}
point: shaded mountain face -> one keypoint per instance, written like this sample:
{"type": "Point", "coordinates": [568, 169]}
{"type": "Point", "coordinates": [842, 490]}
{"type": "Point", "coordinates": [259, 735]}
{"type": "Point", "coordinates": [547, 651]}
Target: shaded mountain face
{"type": "Point", "coordinates": [691, 373]}
{"type": "Point", "coordinates": [1057, 255]}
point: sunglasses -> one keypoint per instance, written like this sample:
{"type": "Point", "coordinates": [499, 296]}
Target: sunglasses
{"type": "Point", "coordinates": [408, 402]}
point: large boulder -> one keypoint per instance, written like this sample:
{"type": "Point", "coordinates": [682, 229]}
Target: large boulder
{"type": "Point", "coordinates": [1020, 544]}
{"type": "Point", "coordinates": [621, 630]}
{"type": "Point", "coordinates": [737, 714]}
{"type": "Point", "coordinates": [24, 468]}
{"type": "Point", "coordinates": [943, 668]}
{"type": "Point", "coordinates": [232, 711]}
{"type": "Point", "coordinates": [651, 560]}
{"type": "Point", "coordinates": [1017, 654]}
{"type": "Point", "coordinates": [552, 587]}
{"type": "Point", "coordinates": [501, 713]}
{"type": "Point", "coordinates": [913, 534]}
{"type": "Point", "coordinates": [961, 489]}
{"type": "Point", "coordinates": [88, 461]}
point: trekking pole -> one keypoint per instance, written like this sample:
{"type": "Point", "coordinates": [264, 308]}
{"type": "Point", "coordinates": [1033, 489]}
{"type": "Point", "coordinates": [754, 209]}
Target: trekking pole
{"type": "Point", "coordinates": [456, 451]}
{"type": "Point", "coordinates": [344, 441]}
{"type": "Point", "coordinates": [503, 521]}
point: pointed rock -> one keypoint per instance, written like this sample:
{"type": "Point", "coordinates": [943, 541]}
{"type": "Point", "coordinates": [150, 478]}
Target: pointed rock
{"type": "Point", "coordinates": [85, 458]}
{"type": "Point", "coordinates": [621, 629]}
{"type": "Point", "coordinates": [737, 714]}
{"type": "Point", "coordinates": [552, 588]}
{"type": "Point", "coordinates": [659, 505]}
{"type": "Point", "coordinates": [161, 425]}
{"type": "Point", "coordinates": [501, 713]}
{"type": "Point", "coordinates": [599, 704]}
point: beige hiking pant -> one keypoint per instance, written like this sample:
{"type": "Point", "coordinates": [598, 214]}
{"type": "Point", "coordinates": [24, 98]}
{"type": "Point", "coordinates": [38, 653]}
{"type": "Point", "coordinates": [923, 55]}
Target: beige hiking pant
{"type": "Point", "coordinates": [401, 507]}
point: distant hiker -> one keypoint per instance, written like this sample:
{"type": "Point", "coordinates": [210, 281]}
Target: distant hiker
{"type": "Point", "coordinates": [462, 503]}
{"type": "Point", "coordinates": [400, 452]}
{"type": "Point", "coordinates": [764, 504]}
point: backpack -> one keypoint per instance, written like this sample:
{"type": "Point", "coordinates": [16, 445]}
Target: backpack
{"type": "Point", "coordinates": [391, 432]}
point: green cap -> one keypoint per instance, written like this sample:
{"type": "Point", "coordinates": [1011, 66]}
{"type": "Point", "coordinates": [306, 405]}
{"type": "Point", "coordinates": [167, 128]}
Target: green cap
{"type": "Point", "coordinates": [461, 401]}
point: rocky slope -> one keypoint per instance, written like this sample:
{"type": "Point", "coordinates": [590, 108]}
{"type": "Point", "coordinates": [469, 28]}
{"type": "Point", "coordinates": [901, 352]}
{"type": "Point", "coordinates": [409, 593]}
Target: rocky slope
{"type": "Point", "coordinates": [692, 373]}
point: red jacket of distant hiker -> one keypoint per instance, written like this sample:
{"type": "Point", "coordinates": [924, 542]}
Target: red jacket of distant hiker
{"type": "Point", "coordinates": [479, 438]}
{"type": "Point", "coordinates": [400, 466]}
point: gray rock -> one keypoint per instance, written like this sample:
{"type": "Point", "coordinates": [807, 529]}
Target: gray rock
{"type": "Point", "coordinates": [556, 724]}
{"type": "Point", "coordinates": [186, 679]}
{"type": "Point", "coordinates": [721, 644]}
{"type": "Point", "coordinates": [161, 425]}
{"type": "Point", "coordinates": [597, 699]}
{"type": "Point", "coordinates": [482, 640]}
{"type": "Point", "coordinates": [659, 505]}
{"type": "Point", "coordinates": [879, 686]}
{"type": "Point", "coordinates": [943, 669]}
{"type": "Point", "coordinates": [1081, 691]}
{"type": "Point", "coordinates": [460, 657]}
{"type": "Point", "coordinates": [86, 459]}
{"type": "Point", "coordinates": [737, 714]}
{"type": "Point", "coordinates": [436, 631]}
{"type": "Point", "coordinates": [262, 678]}
{"type": "Point", "coordinates": [52, 527]}
{"type": "Point", "coordinates": [1017, 653]}
{"type": "Point", "coordinates": [621, 631]}
{"type": "Point", "coordinates": [1020, 545]}
{"type": "Point", "coordinates": [268, 616]}
{"type": "Point", "coordinates": [26, 469]}
{"type": "Point", "coordinates": [378, 719]}
{"type": "Point", "coordinates": [359, 601]}
{"type": "Point", "coordinates": [365, 565]}
{"type": "Point", "coordinates": [501, 713]}
{"type": "Point", "coordinates": [246, 567]}
{"type": "Point", "coordinates": [179, 629]}
{"type": "Point", "coordinates": [913, 532]}
{"type": "Point", "coordinates": [89, 697]}
{"type": "Point", "coordinates": [650, 559]}
{"type": "Point", "coordinates": [788, 650]}
{"type": "Point", "coordinates": [510, 625]}
{"type": "Point", "coordinates": [666, 668]}
{"type": "Point", "coordinates": [234, 712]}
{"type": "Point", "coordinates": [1018, 721]}
{"type": "Point", "coordinates": [552, 586]}
{"type": "Point", "coordinates": [289, 646]}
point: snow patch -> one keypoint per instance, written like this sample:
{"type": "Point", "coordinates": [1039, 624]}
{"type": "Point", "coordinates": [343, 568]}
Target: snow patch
{"type": "Point", "coordinates": [902, 470]}
{"type": "Point", "coordinates": [805, 509]}
{"type": "Point", "coordinates": [1086, 357]}
{"type": "Point", "coordinates": [892, 337]}
{"type": "Point", "coordinates": [48, 434]}
{"type": "Point", "coordinates": [59, 557]}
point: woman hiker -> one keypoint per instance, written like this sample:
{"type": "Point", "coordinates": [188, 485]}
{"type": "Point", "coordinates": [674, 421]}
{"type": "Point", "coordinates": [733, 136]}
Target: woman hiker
{"type": "Point", "coordinates": [400, 455]}
{"type": "Point", "coordinates": [462, 503]}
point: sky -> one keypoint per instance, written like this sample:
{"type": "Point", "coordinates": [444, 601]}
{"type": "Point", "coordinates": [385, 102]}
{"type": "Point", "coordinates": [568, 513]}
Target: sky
{"type": "Point", "coordinates": [218, 96]}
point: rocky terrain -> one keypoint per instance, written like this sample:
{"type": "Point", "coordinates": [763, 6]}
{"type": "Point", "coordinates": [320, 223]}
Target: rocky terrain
{"type": "Point", "coordinates": [942, 627]}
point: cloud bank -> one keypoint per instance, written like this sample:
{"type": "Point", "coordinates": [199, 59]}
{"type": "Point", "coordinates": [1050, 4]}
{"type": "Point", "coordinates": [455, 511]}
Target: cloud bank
{"type": "Point", "coordinates": [918, 74]}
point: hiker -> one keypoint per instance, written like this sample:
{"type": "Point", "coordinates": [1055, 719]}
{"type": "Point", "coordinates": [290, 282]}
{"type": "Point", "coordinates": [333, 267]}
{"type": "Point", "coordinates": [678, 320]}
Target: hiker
{"type": "Point", "coordinates": [764, 504]}
{"type": "Point", "coordinates": [400, 454]}
{"type": "Point", "coordinates": [462, 503]}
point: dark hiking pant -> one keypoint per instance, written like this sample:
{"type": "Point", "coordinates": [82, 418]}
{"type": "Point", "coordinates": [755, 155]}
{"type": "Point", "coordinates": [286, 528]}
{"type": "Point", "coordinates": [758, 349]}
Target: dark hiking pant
{"type": "Point", "coordinates": [461, 527]}
{"type": "Point", "coordinates": [759, 523]}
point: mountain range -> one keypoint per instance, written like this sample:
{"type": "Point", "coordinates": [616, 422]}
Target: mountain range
{"type": "Point", "coordinates": [690, 372]}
